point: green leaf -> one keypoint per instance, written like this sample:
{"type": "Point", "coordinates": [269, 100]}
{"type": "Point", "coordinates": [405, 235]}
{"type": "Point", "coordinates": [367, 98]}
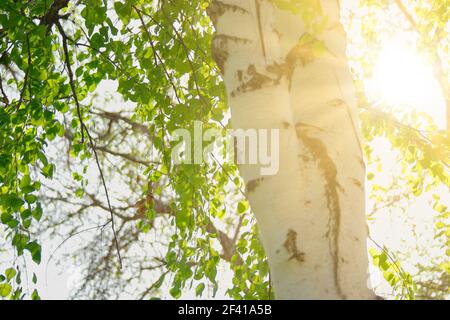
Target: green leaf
{"type": "Point", "coordinates": [12, 201]}
{"type": "Point", "coordinates": [48, 170]}
{"type": "Point", "coordinates": [10, 273]}
{"type": "Point", "coordinates": [199, 289]}
{"type": "Point", "coordinates": [37, 212]}
{"type": "Point", "coordinates": [35, 249]}
{"type": "Point", "coordinates": [4, 117]}
{"type": "Point", "coordinates": [35, 295]}
{"type": "Point", "coordinates": [175, 292]}
{"type": "Point", "coordinates": [122, 10]}
{"type": "Point", "coordinates": [6, 217]}
{"type": "Point", "coordinates": [20, 241]}
{"type": "Point", "coordinates": [18, 278]}
{"type": "Point", "coordinates": [5, 289]}
{"type": "Point", "coordinates": [242, 206]}
{"type": "Point", "coordinates": [31, 198]}
{"type": "Point", "coordinates": [97, 41]}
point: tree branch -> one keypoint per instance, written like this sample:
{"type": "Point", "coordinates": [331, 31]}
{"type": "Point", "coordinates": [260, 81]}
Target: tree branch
{"type": "Point", "coordinates": [51, 17]}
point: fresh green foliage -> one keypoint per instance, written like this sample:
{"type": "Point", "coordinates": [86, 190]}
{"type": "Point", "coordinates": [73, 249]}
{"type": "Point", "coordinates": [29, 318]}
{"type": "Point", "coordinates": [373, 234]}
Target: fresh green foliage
{"type": "Point", "coordinates": [400, 281]}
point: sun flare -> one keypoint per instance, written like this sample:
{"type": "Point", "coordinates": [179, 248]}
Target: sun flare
{"type": "Point", "coordinates": [403, 80]}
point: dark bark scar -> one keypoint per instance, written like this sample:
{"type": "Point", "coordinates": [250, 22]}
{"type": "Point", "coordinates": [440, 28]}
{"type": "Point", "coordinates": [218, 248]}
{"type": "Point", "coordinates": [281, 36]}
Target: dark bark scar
{"type": "Point", "coordinates": [252, 79]}
{"type": "Point", "coordinates": [337, 103]}
{"type": "Point", "coordinates": [220, 48]}
{"type": "Point", "coordinates": [286, 124]}
{"type": "Point", "coordinates": [357, 183]}
{"type": "Point", "coordinates": [253, 184]}
{"type": "Point", "coordinates": [291, 246]}
{"type": "Point", "coordinates": [320, 153]}
{"type": "Point", "coordinates": [217, 9]}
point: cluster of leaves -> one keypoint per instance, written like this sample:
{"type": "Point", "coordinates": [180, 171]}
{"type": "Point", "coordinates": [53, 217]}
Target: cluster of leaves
{"type": "Point", "coordinates": [401, 282]}
{"type": "Point", "coordinates": [55, 54]}
{"type": "Point", "coordinates": [31, 87]}
{"type": "Point", "coordinates": [7, 280]}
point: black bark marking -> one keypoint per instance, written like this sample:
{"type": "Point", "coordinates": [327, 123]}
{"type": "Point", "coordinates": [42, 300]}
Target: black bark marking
{"type": "Point", "coordinates": [256, 81]}
{"type": "Point", "coordinates": [291, 246]}
{"type": "Point", "coordinates": [251, 79]}
{"type": "Point", "coordinates": [300, 125]}
{"type": "Point", "coordinates": [253, 184]}
{"type": "Point", "coordinates": [219, 51]}
{"type": "Point", "coordinates": [302, 52]}
{"type": "Point", "coordinates": [304, 157]}
{"type": "Point", "coordinates": [219, 48]}
{"type": "Point", "coordinates": [286, 124]}
{"type": "Point", "coordinates": [328, 168]}
{"type": "Point", "coordinates": [357, 183]}
{"type": "Point", "coordinates": [278, 33]}
{"type": "Point", "coordinates": [217, 9]}
{"type": "Point", "coordinates": [240, 75]}
{"type": "Point", "coordinates": [278, 70]}
{"type": "Point", "coordinates": [337, 103]}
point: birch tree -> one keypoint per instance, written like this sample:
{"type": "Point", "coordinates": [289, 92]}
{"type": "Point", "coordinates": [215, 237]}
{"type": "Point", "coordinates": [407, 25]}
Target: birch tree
{"type": "Point", "coordinates": [291, 74]}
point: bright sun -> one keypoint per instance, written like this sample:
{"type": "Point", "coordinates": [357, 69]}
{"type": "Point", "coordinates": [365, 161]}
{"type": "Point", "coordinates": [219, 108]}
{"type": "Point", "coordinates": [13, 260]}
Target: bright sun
{"type": "Point", "coordinates": [403, 80]}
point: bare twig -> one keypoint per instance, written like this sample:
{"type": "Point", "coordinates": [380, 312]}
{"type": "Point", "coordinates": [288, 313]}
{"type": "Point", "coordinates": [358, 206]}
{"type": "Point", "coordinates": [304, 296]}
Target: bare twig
{"type": "Point", "coordinates": [85, 129]}
{"type": "Point", "coordinates": [91, 142]}
{"type": "Point", "coordinates": [67, 239]}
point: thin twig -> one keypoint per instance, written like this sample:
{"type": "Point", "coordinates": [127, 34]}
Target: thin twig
{"type": "Point", "coordinates": [27, 74]}
{"type": "Point", "coordinates": [67, 239]}
{"type": "Point", "coordinates": [91, 141]}
{"type": "Point", "coordinates": [155, 52]}
{"type": "Point", "coordinates": [71, 80]}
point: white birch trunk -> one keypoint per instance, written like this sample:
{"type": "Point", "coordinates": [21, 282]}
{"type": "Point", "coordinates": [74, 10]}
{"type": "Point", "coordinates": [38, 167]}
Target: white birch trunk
{"type": "Point", "coordinates": [311, 214]}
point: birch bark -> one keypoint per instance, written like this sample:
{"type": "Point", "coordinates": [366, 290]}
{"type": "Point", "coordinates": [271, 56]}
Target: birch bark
{"type": "Point", "coordinates": [311, 214]}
